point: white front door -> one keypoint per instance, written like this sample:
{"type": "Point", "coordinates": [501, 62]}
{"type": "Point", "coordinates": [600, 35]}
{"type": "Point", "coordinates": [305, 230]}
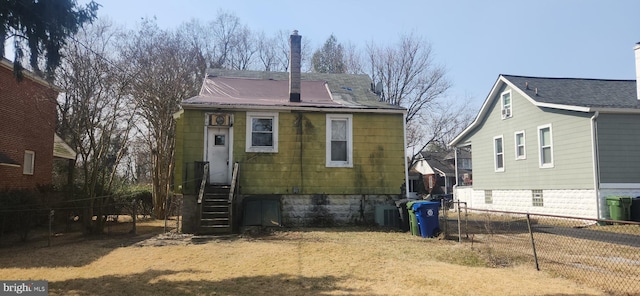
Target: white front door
{"type": "Point", "coordinates": [218, 155]}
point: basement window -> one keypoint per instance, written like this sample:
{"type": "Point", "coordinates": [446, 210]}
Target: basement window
{"type": "Point", "coordinates": [536, 196]}
{"type": "Point", "coordinates": [488, 196]}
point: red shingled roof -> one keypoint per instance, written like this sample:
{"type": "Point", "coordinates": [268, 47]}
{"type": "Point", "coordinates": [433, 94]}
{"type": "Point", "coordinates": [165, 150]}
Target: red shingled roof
{"type": "Point", "coordinates": [248, 91]}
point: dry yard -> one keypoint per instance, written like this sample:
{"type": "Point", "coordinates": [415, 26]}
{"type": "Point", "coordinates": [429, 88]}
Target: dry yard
{"type": "Point", "coordinates": [353, 261]}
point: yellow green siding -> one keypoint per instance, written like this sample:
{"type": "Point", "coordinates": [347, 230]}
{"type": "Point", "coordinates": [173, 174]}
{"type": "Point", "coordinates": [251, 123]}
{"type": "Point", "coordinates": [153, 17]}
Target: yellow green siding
{"type": "Point", "coordinates": [189, 148]}
{"type": "Point", "coordinates": [299, 164]}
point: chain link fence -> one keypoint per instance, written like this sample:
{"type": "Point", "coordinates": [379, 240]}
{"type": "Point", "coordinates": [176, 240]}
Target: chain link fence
{"type": "Point", "coordinates": [25, 216]}
{"type": "Point", "coordinates": [599, 253]}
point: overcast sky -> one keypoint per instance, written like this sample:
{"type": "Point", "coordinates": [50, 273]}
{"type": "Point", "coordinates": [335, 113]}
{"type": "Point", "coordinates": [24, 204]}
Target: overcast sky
{"type": "Point", "coordinates": [475, 40]}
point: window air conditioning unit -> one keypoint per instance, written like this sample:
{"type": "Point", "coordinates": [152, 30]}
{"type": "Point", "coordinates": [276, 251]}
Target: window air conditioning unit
{"type": "Point", "coordinates": [506, 113]}
{"type": "Point", "coordinates": [219, 119]}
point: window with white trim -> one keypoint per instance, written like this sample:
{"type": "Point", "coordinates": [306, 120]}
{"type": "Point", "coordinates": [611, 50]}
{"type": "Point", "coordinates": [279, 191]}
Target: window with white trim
{"type": "Point", "coordinates": [262, 132]}
{"type": "Point", "coordinates": [505, 99]}
{"type": "Point", "coordinates": [519, 141]}
{"type": "Point", "coordinates": [339, 140]}
{"type": "Point", "coordinates": [29, 162]}
{"type": "Point", "coordinates": [545, 144]}
{"type": "Point", "coordinates": [498, 152]}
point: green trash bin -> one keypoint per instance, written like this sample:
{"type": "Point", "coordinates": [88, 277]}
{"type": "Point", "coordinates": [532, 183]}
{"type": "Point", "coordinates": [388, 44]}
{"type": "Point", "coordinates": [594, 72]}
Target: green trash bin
{"type": "Point", "coordinates": [413, 220]}
{"type": "Point", "coordinates": [619, 207]}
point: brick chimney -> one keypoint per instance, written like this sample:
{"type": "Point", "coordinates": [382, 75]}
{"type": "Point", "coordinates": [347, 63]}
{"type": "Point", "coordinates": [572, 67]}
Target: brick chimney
{"type": "Point", "coordinates": [295, 59]}
{"type": "Point", "coordinates": [636, 49]}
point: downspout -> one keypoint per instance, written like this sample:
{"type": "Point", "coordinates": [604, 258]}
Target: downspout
{"type": "Point", "coordinates": [596, 160]}
{"type": "Point", "coordinates": [406, 168]}
{"type": "Point", "coordinates": [455, 163]}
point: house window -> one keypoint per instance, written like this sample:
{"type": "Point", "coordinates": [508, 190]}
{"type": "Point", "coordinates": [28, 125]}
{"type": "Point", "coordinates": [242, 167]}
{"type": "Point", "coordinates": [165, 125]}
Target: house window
{"type": "Point", "coordinates": [520, 152]}
{"type": "Point", "coordinates": [339, 140]}
{"type": "Point", "coordinates": [505, 99]}
{"type": "Point", "coordinates": [488, 196]}
{"type": "Point", "coordinates": [29, 162]}
{"type": "Point", "coordinates": [465, 163]}
{"type": "Point", "coordinates": [498, 151]}
{"type": "Point", "coordinates": [262, 132]}
{"type": "Point", "coordinates": [545, 140]}
{"type": "Point", "coordinates": [536, 196]}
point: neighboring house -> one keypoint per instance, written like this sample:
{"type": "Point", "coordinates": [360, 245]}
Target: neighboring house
{"type": "Point", "coordinates": [311, 148]}
{"type": "Point", "coordinates": [27, 131]}
{"type": "Point", "coordinates": [435, 172]}
{"type": "Point", "coordinates": [554, 145]}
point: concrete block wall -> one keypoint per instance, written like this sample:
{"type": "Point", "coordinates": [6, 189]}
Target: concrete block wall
{"type": "Point", "coordinates": [576, 203]}
{"type": "Point", "coordinates": [189, 213]}
{"type": "Point", "coordinates": [332, 210]}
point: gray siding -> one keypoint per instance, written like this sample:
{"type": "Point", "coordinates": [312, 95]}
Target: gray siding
{"type": "Point", "coordinates": [619, 148]}
{"type": "Point", "coordinates": [572, 148]}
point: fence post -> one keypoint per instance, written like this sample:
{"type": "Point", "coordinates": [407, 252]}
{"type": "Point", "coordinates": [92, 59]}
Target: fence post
{"type": "Point", "coordinates": [466, 220]}
{"type": "Point", "coordinates": [444, 216]}
{"type": "Point", "coordinates": [50, 227]}
{"type": "Point", "coordinates": [459, 224]}
{"type": "Point", "coordinates": [533, 244]}
{"type": "Point", "coordinates": [135, 216]}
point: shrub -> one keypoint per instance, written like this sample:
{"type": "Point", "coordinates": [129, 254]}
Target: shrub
{"type": "Point", "coordinates": [21, 210]}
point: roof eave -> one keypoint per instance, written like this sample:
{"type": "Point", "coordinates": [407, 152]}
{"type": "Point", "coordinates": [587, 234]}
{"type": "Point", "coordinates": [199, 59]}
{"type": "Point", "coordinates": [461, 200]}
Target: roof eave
{"type": "Point", "coordinates": [9, 65]}
{"type": "Point", "coordinates": [297, 108]}
{"type": "Point", "coordinates": [483, 110]}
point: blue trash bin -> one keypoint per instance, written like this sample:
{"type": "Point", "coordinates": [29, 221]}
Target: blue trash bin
{"type": "Point", "coordinates": [427, 215]}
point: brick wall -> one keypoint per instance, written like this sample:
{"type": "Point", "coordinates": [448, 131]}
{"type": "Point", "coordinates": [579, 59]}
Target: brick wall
{"type": "Point", "coordinates": [27, 122]}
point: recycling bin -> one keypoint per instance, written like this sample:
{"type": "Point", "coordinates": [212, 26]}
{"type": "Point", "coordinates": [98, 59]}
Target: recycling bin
{"type": "Point", "coordinates": [427, 216]}
{"type": "Point", "coordinates": [619, 207]}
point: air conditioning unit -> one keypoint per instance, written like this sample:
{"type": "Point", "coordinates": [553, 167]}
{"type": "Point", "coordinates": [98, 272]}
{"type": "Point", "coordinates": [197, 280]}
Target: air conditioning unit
{"type": "Point", "coordinates": [506, 113]}
{"type": "Point", "coordinates": [220, 119]}
{"type": "Point", "coordinates": [386, 215]}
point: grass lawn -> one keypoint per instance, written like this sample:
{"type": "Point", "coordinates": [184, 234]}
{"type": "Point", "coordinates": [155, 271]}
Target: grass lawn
{"type": "Point", "coordinates": [337, 261]}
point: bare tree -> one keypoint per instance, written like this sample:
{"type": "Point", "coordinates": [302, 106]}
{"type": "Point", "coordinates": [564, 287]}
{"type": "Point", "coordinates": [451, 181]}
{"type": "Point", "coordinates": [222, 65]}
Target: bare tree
{"type": "Point", "coordinates": [245, 47]}
{"type": "Point", "coordinates": [408, 74]}
{"type": "Point", "coordinates": [352, 59]}
{"type": "Point", "coordinates": [446, 119]}
{"type": "Point", "coordinates": [96, 115]}
{"type": "Point", "coordinates": [167, 70]}
{"type": "Point", "coordinates": [224, 29]}
{"type": "Point", "coordinates": [267, 54]}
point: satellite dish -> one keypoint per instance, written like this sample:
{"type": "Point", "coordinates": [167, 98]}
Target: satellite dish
{"type": "Point", "coordinates": [378, 88]}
